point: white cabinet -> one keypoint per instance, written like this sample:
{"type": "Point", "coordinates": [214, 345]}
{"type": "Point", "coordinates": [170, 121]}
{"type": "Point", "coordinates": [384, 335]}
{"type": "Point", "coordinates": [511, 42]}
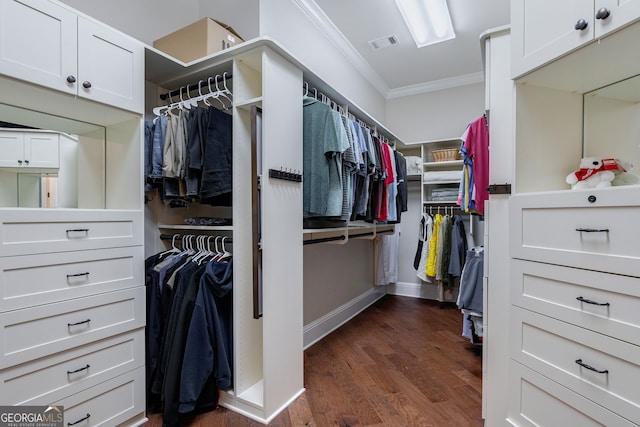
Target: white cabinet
{"type": "Point", "coordinates": [442, 172]}
{"type": "Point", "coordinates": [574, 295]}
{"type": "Point", "coordinates": [29, 149]}
{"type": "Point", "coordinates": [545, 29]}
{"type": "Point", "coordinates": [44, 43]}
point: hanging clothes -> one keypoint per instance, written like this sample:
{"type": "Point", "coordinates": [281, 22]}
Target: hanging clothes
{"type": "Point", "coordinates": [188, 156]}
{"type": "Point", "coordinates": [475, 151]}
{"type": "Point", "coordinates": [324, 142]}
{"type": "Point", "coordinates": [189, 308]}
{"type": "Point", "coordinates": [426, 232]}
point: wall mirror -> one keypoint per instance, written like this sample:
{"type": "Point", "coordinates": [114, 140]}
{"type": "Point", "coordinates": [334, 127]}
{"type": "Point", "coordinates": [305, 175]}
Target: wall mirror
{"type": "Point", "coordinates": [612, 122]}
{"type": "Point", "coordinates": [51, 162]}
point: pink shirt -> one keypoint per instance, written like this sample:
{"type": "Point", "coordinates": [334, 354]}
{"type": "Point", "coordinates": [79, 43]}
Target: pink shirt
{"type": "Point", "coordinates": [476, 142]}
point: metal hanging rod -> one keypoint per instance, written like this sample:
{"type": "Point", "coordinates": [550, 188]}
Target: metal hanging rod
{"type": "Point", "coordinates": [193, 86]}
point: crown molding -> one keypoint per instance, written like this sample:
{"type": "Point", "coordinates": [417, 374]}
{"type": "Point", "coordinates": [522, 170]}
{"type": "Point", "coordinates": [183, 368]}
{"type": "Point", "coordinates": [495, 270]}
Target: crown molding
{"type": "Point", "coordinates": [328, 28]}
{"type": "Point", "coordinates": [448, 83]}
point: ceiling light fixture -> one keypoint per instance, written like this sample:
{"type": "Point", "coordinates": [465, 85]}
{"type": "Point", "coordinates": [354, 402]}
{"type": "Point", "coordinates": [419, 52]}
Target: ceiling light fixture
{"type": "Point", "coordinates": [428, 20]}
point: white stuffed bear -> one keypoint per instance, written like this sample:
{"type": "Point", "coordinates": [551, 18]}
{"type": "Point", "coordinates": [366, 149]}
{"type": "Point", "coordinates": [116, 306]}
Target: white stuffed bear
{"type": "Point", "coordinates": [627, 177]}
{"type": "Point", "coordinates": [594, 173]}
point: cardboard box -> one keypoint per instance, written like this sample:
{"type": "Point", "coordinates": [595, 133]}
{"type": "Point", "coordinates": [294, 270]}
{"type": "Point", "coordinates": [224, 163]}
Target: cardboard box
{"type": "Point", "coordinates": [199, 39]}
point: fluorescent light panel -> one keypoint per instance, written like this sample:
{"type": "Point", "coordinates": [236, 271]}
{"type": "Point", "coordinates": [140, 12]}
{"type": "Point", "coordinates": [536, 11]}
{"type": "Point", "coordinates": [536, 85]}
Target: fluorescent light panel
{"type": "Point", "coordinates": [428, 20]}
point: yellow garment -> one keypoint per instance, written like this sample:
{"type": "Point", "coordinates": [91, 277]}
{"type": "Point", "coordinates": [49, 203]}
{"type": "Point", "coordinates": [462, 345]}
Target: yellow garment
{"type": "Point", "coordinates": [433, 245]}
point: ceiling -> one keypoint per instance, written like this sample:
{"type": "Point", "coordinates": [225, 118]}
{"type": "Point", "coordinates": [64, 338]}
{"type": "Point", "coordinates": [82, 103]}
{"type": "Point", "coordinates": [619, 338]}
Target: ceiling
{"type": "Point", "coordinates": [404, 69]}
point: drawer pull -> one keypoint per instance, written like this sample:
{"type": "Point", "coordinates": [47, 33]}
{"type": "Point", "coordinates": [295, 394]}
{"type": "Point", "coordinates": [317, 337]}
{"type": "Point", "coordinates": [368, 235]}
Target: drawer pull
{"type": "Point", "coordinates": [78, 323]}
{"type": "Point", "coordinates": [80, 420]}
{"type": "Point", "coordinates": [77, 230]}
{"type": "Point", "coordinates": [77, 275]}
{"type": "Point", "coordinates": [588, 301]}
{"type": "Point", "coordinates": [78, 370]}
{"type": "Point", "coordinates": [593, 230]}
{"type": "Point", "coordinates": [591, 368]}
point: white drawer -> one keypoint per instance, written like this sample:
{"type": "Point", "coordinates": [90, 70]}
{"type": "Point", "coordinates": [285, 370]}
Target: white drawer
{"type": "Point", "coordinates": [536, 401]}
{"type": "Point", "coordinates": [117, 402]}
{"type": "Point", "coordinates": [65, 373]}
{"type": "Point", "coordinates": [602, 302]}
{"type": "Point", "coordinates": [41, 331]}
{"type": "Point", "coordinates": [565, 228]}
{"type": "Point", "coordinates": [34, 231]}
{"type": "Point", "coordinates": [555, 349]}
{"type": "Point", "coordinates": [30, 280]}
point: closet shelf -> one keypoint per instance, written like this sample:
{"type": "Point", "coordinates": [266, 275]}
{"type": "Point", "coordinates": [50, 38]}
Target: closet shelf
{"type": "Point", "coordinates": [341, 235]}
{"type": "Point", "coordinates": [246, 105]}
{"type": "Point", "coordinates": [447, 163]}
{"type": "Point", "coordinates": [196, 227]}
{"type": "Point", "coordinates": [453, 181]}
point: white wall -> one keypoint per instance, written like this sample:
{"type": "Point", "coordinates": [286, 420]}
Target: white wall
{"type": "Point", "coordinates": [145, 20]}
{"type": "Point", "coordinates": [435, 115]}
{"type": "Point", "coordinates": [335, 274]}
{"type": "Point", "coordinates": [285, 22]}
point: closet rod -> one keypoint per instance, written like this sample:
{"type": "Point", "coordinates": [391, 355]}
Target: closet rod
{"type": "Point", "coordinates": [343, 237]}
{"type": "Point", "coordinates": [181, 236]}
{"type": "Point", "coordinates": [191, 86]}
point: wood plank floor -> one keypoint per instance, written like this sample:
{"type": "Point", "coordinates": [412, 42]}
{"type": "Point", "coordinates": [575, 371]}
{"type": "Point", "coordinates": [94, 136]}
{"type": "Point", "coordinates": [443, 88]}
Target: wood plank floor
{"type": "Point", "coordinates": [401, 362]}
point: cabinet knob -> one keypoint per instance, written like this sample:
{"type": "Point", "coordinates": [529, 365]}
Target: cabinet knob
{"type": "Point", "coordinates": [71, 79]}
{"type": "Point", "coordinates": [603, 13]}
{"type": "Point", "coordinates": [86, 84]}
{"type": "Point", "coordinates": [19, 162]}
{"type": "Point", "coordinates": [581, 25]}
{"type": "Point", "coordinates": [26, 161]}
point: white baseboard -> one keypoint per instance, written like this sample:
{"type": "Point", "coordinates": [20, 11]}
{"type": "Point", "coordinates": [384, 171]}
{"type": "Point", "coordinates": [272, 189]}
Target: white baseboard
{"type": "Point", "coordinates": [320, 328]}
{"type": "Point", "coordinates": [415, 290]}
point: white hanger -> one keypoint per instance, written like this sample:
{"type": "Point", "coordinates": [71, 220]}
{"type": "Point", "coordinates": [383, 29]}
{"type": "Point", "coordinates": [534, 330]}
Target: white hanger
{"type": "Point", "coordinates": [213, 94]}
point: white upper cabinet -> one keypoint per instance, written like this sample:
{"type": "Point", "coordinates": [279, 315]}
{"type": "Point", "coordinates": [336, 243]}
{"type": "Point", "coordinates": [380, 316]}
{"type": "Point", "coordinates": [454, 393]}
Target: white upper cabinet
{"type": "Point", "coordinates": [544, 30]}
{"type": "Point", "coordinates": [26, 149]}
{"type": "Point", "coordinates": [44, 43]}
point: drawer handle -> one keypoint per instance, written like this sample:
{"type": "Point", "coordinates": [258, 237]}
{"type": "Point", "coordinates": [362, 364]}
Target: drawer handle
{"type": "Point", "coordinates": [591, 368]}
{"type": "Point", "coordinates": [77, 275]}
{"type": "Point", "coordinates": [593, 230]}
{"type": "Point", "coordinates": [80, 420]}
{"type": "Point", "coordinates": [78, 230]}
{"type": "Point", "coordinates": [78, 323]}
{"type": "Point", "coordinates": [78, 370]}
{"type": "Point", "coordinates": [588, 301]}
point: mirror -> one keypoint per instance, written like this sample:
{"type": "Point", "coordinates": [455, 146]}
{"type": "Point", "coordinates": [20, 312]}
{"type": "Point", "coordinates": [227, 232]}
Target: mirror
{"type": "Point", "coordinates": [50, 162]}
{"type": "Point", "coordinates": [612, 123]}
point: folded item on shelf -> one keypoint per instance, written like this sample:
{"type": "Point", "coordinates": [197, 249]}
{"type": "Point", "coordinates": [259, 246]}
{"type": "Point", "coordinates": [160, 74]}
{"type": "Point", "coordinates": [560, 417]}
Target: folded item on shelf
{"type": "Point", "coordinates": [436, 176]}
{"type": "Point", "coordinates": [206, 220]}
{"type": "Point", "coordinates": [414, 165]}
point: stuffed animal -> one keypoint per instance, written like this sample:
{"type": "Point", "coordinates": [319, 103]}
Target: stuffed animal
{"type": "Point", "coordinates": [594, 173]}
{"type": "Point", "coordinates": [627, 177]}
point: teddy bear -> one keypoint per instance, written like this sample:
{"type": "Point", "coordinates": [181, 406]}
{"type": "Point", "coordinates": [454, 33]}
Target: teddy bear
{"type": "Point", "coordinates": [626, 178]}
{"type": "Point", "coordinates": [594, 172]}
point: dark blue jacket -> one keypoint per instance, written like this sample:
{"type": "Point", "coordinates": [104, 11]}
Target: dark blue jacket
{"type": "Point", "coordinates": [208, 351]}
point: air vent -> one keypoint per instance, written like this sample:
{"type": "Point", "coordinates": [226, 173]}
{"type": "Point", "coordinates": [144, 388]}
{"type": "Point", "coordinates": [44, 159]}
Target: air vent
{"type": "Point", "coordinates": [383, 42]}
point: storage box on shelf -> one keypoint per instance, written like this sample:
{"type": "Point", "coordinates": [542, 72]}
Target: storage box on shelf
{"type": "Point", "coordinates": [202, 38]}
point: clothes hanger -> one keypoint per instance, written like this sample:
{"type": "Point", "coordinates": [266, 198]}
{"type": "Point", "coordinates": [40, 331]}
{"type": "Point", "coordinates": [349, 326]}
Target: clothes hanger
{"type": "Point", "coordinates": [213, 94]}
{"type": "Point", "coordinates": [225, 254]}
{"type": "Point", "coordinates": [224, 91]}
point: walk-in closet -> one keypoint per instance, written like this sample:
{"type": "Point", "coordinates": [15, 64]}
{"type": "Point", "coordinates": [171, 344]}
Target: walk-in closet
{"type": "Point", "coordinates": [301, 212]}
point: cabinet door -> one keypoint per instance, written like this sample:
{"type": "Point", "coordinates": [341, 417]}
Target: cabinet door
{"type": "Point", "coordinates": [11, 149]}
{"type": "Point", "coordinates": [110, 66]}
{"type": "Point", "coordinates": [38, 43]}
{"type": "Point", "coordinates": [543, 30]}
{"type": "Point", "coordinates": [621, 13]}
{"type": "Point", "coordinates": [41, 150]}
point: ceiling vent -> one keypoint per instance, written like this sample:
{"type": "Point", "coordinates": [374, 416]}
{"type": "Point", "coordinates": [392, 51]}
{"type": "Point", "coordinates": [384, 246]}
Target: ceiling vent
{"type": "Point", "coordinates": [384, 42]}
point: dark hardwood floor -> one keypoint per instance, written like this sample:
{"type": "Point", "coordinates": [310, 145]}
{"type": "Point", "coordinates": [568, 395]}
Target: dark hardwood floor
{"type": "Point", "coordinates": [401, 362]}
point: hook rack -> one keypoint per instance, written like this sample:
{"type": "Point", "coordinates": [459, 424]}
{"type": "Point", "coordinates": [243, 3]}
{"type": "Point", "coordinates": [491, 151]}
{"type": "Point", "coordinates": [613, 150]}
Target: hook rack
{"type": "Point", "coordinates": [285, 174]}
